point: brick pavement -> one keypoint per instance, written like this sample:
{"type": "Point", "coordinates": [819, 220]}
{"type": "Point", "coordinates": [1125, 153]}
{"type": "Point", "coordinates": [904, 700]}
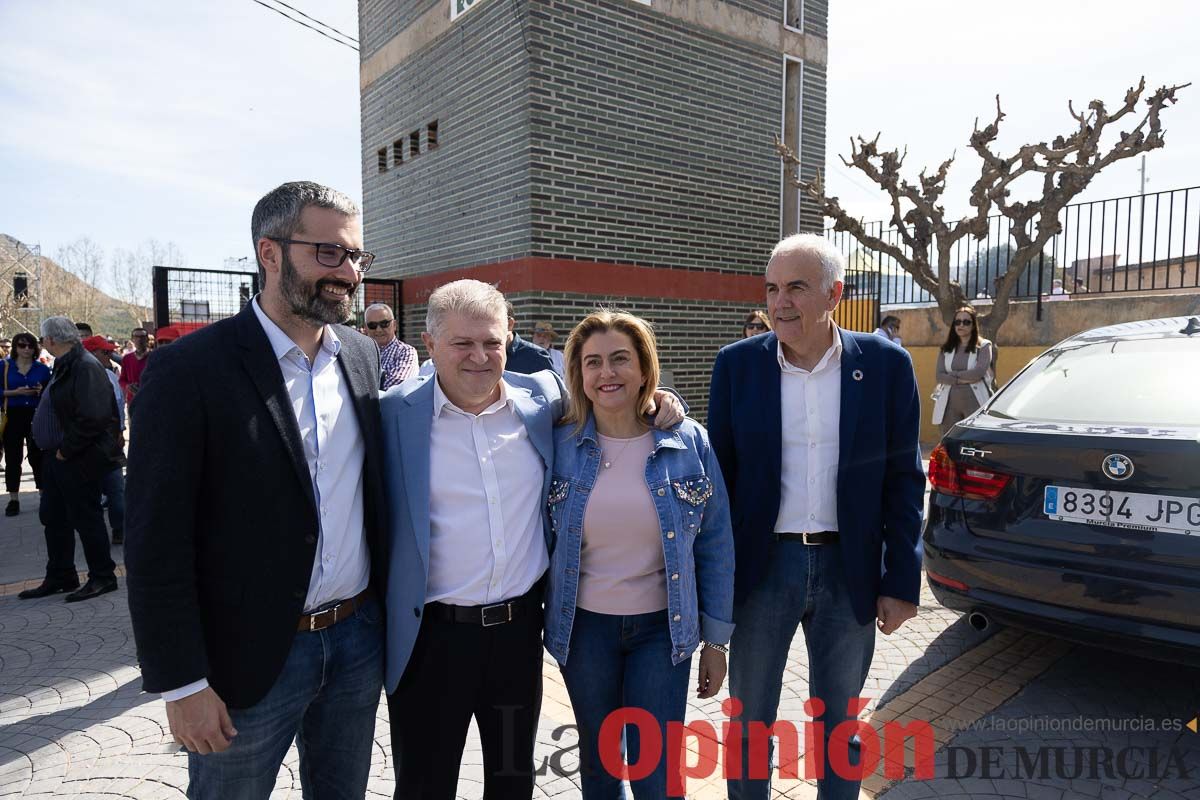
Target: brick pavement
{"type": "Point", "coordinates": [74, 724]}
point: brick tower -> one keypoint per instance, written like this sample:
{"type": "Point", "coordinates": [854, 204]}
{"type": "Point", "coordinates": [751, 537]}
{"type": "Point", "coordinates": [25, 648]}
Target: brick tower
{"type": "Point", "coordinates": [584, 152]}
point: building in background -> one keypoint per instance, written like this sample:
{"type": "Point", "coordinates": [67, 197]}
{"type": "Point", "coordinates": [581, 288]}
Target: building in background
{"type": "Point", "coordinates": [584, 152]}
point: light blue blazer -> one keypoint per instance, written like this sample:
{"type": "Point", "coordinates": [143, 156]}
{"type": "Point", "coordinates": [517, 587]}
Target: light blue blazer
{"type": "Point", "coordinates": [407, 412]}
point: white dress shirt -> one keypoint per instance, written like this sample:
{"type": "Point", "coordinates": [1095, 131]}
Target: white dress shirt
{"type": "Point", "coordinates": [485, 504]}
{"type": "Point", "coordinates": [811, 411]}
{"type": "Point", "coordinates": [333, 448]}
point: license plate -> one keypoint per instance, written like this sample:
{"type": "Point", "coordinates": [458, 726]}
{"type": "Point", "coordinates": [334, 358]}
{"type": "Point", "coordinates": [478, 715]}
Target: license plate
{"type": "Point", "coordinates": [1154, 513]}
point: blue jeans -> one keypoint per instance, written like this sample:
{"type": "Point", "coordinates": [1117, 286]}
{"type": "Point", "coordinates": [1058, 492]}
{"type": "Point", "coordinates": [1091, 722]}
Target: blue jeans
{"type": "Point", "coordinates": [804, 585]}
{"type": "Point", "coordinates": [113, 487]}
{"type": "Point", "coordinates": [616, 662]}
{"type": "Point", "coordinates": [325, 699]}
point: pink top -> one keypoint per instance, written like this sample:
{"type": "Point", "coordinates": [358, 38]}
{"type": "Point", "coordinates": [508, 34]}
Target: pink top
{"type": "Point", "coordinates": [621, 565]}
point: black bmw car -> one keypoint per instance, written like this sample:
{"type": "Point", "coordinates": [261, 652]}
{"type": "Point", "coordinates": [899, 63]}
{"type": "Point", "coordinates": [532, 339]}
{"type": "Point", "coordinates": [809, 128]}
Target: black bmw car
{"type": "Point", "coordinates": [1070, 503]}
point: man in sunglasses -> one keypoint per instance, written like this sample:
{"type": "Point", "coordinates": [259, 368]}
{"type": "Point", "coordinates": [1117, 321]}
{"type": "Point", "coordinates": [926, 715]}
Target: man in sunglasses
{"type": "Point", "coordinates": [253, 539]}
{"type": "Point", "coordinates": [397, 359]}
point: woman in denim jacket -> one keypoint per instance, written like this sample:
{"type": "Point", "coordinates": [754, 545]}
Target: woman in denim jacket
{"type": "Point", "coordinates": [642, 567]}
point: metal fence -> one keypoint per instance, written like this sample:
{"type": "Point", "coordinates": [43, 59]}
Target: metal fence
{"type": "Point", "coordinates": [1142, 243]}
{"type": "Point", "coordinates": [191, 298]}
{"type": "Point", "coordinates": [379, 290]}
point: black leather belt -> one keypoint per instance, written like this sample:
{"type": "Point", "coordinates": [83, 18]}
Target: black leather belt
{"type": "Point", "coordinates": [490, 615]}
{"type": "Point", "coordinates": [820, 537]}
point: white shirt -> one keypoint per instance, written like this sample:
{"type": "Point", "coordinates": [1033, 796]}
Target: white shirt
{"type": "Point", "coordinates": [485, 504]}
{"type": "Point", "coordinates": [116, 384]}
{"type": "Point", "coordinates": [333, 448]}
{"type": "Point", "coordinates": [810, 406]}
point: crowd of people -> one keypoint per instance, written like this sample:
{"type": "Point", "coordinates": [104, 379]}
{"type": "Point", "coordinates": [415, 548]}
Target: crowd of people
{"type": "Point", "coordinates": [316, 517]}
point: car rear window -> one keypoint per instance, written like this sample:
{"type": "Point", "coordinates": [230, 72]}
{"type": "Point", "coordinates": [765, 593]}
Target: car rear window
{"type": "Point", "coordinates": [1115, 382]}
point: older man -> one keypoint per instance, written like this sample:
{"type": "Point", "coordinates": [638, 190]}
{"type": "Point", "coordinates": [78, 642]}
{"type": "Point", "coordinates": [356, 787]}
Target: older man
{"type": "Point", "coordinates": [544, 336]}
{"type": "Point", "coordinates": [253, 536]}
{"type": "Point", "coordinates": [468, 456]}
{"type": "Point", "coordinates": [76, 428]}
{"type": "Point", "coordinates": [816, 431]}
{"type": "Point", "coordinates": [397, 360]}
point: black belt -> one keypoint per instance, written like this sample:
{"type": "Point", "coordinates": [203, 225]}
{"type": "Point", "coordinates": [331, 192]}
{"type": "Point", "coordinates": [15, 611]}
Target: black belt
{"type": "Point", "coordinates": [820, 537]}
{"type": "Point", "coordinates": [487, 616]}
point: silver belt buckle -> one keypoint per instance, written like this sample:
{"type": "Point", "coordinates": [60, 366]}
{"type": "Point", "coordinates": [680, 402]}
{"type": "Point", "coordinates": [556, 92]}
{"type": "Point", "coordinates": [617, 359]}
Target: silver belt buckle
{"type": "Point", "coordinates": [312, 618]}
{"type": "Point", "coordinates": [497, 621]}
{"type": "Point", "coordinates": [804, 538]}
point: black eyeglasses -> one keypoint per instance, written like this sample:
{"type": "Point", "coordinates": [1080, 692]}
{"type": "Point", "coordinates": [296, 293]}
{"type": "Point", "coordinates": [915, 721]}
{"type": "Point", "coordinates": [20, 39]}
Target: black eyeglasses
{"type": "Point", "coordinates": [964, 322]}
{"type": "Point", "coordinates": [755, 326]}
{"type": "Point", "coordinates": [332, 255]}
{"type": "Point", "coordinates": [24, 346]}
{"type": "Point", "coordinates": [385, 324]}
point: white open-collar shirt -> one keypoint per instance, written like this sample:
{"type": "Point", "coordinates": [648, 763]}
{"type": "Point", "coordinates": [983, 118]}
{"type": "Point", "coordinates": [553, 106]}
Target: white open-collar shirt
{"type": "Point", "coordinates": [810, 405]}
{"type": "Point", "coordinates": [485, 504]}
{"type": "Point", "coordinates": [334, 449]}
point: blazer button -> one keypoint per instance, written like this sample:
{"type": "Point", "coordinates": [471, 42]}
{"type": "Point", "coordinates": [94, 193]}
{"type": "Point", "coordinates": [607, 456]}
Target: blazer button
{"type": "Point", "coordinates": [416, 612]}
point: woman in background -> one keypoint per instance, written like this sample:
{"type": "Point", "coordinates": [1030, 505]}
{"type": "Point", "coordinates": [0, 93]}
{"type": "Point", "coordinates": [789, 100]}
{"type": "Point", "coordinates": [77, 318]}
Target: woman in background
{"type": "Point", "coordinates": [965, 374]}
{"type": "Point", "coordinates": [24, 379]}
{"type": "Point", "coordinates": [756, 322]}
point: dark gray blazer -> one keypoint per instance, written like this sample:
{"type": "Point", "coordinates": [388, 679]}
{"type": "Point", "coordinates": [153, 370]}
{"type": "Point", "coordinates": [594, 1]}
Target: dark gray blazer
{"type": "Point", "coordinates": [221, 528]}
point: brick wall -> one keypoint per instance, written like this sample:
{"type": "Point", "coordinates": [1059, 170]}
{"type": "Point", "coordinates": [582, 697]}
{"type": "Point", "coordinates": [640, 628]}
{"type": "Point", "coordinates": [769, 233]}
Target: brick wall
{"type": "Point", "coordinates": [598, 131]}
{"type": "Point", "coordinates": [467, 202]}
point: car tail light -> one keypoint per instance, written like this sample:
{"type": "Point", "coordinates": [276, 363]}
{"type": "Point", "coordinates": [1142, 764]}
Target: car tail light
{"type": "Point", "coordinates": [942, 579]}
{"type": "Point", "coordinates": [959, 480]}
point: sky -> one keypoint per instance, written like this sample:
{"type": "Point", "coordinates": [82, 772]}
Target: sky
{"type": "Point", "coordinates": [136, 119]}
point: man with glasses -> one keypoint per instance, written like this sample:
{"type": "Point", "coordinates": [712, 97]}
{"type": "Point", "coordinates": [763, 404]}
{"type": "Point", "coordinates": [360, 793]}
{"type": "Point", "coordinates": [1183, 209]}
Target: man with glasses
{"type": "Point", "coordinates": [397, 359]}
{"type": "Point", "coordinates": [253, 538]}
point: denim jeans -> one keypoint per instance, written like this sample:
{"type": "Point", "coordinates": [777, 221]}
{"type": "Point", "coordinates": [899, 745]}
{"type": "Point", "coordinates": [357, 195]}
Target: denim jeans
{"type": "Point", "coordinates": [325, 699]}
{"type": "Point", "coordinates": [804, 585]}
{"type": "Point", "coordinates": [623, 661]}
{"type": "Point", "coordinates": [113, 486]}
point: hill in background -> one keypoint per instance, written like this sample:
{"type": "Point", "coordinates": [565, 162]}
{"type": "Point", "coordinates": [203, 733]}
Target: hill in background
{"type": "Point", "coordinates": [63, 294]}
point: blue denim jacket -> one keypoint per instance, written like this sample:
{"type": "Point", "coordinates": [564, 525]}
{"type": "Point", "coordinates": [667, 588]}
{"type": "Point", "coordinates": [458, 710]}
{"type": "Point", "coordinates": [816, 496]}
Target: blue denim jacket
{"type": "Point", "coordinates": [697, 537]}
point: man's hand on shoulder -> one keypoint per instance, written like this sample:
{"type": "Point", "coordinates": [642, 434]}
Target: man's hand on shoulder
{"type": "Point", "coordinates": [200, 722]}
{"type": "Point", "coordinates": [891, 613]}
{"type": "Point", "coordinates": [668, 411]}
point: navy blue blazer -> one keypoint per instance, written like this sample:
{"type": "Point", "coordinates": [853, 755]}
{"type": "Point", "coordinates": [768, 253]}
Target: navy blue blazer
{"type": "Point", "coordinates": [880, 483]}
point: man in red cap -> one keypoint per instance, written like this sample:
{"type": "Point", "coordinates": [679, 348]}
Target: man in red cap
{"type": "Point", "coordinates": [113, 485]}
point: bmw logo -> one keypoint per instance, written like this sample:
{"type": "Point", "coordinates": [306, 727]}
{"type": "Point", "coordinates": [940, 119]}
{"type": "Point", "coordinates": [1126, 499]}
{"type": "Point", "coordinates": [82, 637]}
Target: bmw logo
{"type": "Point", "coordinates": [1117, 467]}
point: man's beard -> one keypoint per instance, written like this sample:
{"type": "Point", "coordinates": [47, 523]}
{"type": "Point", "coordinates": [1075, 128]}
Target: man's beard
{"type": "Point", "coordinates": [309, 302]}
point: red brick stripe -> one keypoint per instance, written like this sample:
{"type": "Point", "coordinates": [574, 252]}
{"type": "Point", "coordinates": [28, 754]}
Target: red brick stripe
{"type": "Point", "coordinates": [596, 277]}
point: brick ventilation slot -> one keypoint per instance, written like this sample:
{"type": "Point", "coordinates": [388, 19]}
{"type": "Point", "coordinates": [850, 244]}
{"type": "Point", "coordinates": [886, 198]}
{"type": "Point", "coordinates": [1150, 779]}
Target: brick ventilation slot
{"type": "Point", "coordinates": [382, 155]}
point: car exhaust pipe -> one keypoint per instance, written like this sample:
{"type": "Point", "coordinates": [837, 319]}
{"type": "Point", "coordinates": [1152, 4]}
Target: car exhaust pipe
{"type": "Point", "coordinates": [978, 620]}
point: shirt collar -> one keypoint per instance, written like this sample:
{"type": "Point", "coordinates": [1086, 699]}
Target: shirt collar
{"type": "Point", "coordinates": [832, 357]}
{"type": "Point", "coordinates": [440, 401]}
{"type": "Point", "coordinates": [282, 344]}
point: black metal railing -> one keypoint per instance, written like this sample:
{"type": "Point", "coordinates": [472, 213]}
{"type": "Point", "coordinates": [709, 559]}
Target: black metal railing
{"type": "Point", "coordinates": [1142, 243]}
{"type": "Point", "coordinates": [191, 298]}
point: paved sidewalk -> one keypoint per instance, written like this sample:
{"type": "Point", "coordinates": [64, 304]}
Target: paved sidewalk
{"type": "Point", "coordinates": [74, 724]}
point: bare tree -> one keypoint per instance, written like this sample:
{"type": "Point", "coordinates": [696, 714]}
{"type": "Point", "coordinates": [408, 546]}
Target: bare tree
{"type": "Point", "coordinates": [927, 237]}
{"type": "Point", "coordinates": [131, 271]}
{"type": "Point", "coordinates": [84, 259]}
